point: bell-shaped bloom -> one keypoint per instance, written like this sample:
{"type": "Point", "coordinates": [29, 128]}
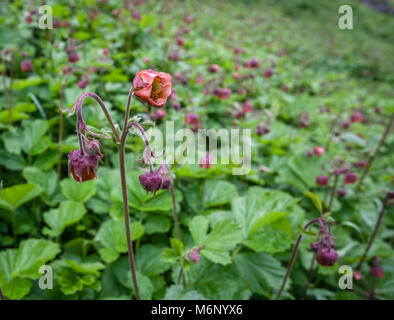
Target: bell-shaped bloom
{"type": "Point", "coordinates": [322, 180]}
{"type": "Point", "coordinates": [268, 73]}
{"type": "Point", "coordinates": [357, 117]}
{"type": "Point", "coordinates": [73, 57]}
{"type": "Point", "coordinates": [326, 257]}
{"type": "Point", "coordinates": [195, 255]}
{"type": "Point", "coordinates": [26, 65]}
{"type": "Point", "coordinates": [84, 166]}
{"type": "Point", "coordinates": [377, 271]}
{"type": "Point", "coordinates": [192, 118]}
{"type": "Point", "coordinates": [318, 151]}
{"type": "Point", "coordinates": [152, 87]}
{"type": "Point", "coordinates": [151, 181]}
{"type": "Point", "coordinates": [350, 177]}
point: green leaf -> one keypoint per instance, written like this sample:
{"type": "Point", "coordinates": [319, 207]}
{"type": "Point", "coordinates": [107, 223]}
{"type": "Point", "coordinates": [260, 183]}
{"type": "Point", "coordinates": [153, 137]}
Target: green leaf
{"type": "Point", "coordinates": [263, 272]}
{"type": "Point", "coordinates": [176, 292]}
{"type": "Point", "coordinates": [198, 228]}
{"type": "Point", "coordinates": [112, 235]}
{"type": "Point", "coordinates": [218, 192]}
{"type": "Point", "coordinates": [176, 251]}
{"type": "Point", "coordinates": [69, 212]}
{"type": "Point", "coordinates": [224, 235]}
{"type": "Point", "coordinates": [261, 207]}
{"type": "Point", "coordinates": [157, 224]}
{"type": "Point", "coordinates": [315, 199]}
{"type": "Point", "coordinates": [46, 180]}
{"type": "Point", "coordinates": [77, 191]}
{"type": "Point", "coordinates": [269, 239]}
{"type": "Point", "coordinates": [70, 282]}
{"type": "Point", "coordinates": [34, 141]}
{"type": "Point", "coordinates": [86, 267]}
{"type": "Point", "coordinates": [13, 197]}
{"type": "Point", "coordinates": [31, 255]}
{"type": "Point", "coordinates": [17, 288]}
{"type": "Point", "coordinates": [149, 260]}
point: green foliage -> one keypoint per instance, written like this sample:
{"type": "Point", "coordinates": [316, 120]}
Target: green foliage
{"type": "Point", "coordinates": [241, 229]}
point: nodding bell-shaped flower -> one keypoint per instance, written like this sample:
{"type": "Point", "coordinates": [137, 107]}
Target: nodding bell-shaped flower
{"type": "Point", "coordinates": [26, 65]}
{"type": "Point", "coordinates": [326, 257]}
{"type": "Point", "coordinates": [84, 166]}
{"type": "Point", "coordinates": [195, 255]}
{"type": "Point", "coordinates": [322, 180]}
{"type": "Point", "coordinates": [152, 87]}
{"type": "Point", "coordinates": [151, 181]}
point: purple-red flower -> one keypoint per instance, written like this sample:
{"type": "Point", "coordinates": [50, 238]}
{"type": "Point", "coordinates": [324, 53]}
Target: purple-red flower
{"type": "Point", "coordinates": [151, 181]}
{"type": "Point", "coordinates": [377, 271]}
{"type": "Point", "coordinates": [350, 177]}
{"type": "Point", "coordinates": [357, 117]}
{"type": "Point", "coordinates": [322, 180]}
{"type": "Point", "coordinates": [152, 87]}
{"type": "Point", "coordinates": [318, 151]}
{"type": "Point", "coordinates": [26, 65]}
{"type": "Point", "coordinates": [195, 255]}
{"type": "Point", "coordinates": [326, 257]}
{"type": "Point", "coordinates": [84, 166]}
{"type": "Point", "coordinates": [214, 68]}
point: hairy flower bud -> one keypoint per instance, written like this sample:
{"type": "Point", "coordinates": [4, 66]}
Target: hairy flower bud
{"type": "Point", "coordinates": [350, 177]}
{"type": "Point", "coordinates": [377, 271]}
{"type": "Point", "coordinates": [84, 167]}
{"type": "Point", "coordinates": [214, 68]}
{"type": "Point", "coordinates": [151, 181]}
{"type": "Point", "coordinates": [318, 151]}
{"type": "Point", "coordinates": [326, 257]}
{"type": "Point", "coordinates": [322, 180]}
{"type": "Point", "coordinates": [26, 65]}
{"type": "Point", "coordinates": [195, 255]}
{"type": "Point", "coordinates": [73, 57]}
{"type": "Point", "coordinates": [268, 73]}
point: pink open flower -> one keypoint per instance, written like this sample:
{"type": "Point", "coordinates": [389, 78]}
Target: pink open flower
{"type": "Point", "coordinates": [152, 87]}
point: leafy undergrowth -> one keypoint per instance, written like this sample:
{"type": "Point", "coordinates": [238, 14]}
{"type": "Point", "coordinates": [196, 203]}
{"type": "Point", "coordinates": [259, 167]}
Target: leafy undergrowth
{"type": "Point", "coordinates": [310, 80]}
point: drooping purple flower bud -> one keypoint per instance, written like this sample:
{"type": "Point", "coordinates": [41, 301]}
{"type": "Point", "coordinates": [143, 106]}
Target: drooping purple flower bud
{"type": "Point", "coordinates": [377, 271]}
{"type": "Point", "coordinates": [341, 193]}
{"type": "Point", "coordinates": [151, 181]}
{"type": "Point", "coordinates": [322, 180]}
{"type": "Point", "coordinates": [326, 257]}
{"type": "Point", "coordinates": [195, 255]}
{"type": "Point", "coordinates": [73, 56]}
{"type": "Point", "coordinates": [84, 167]}
{"type": "Point", "coordinates": [26, 65]}
{"type": "Point", "coordinates": [350, 177]}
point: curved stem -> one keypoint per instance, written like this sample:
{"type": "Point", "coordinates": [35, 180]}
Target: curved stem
{"type": "Point", "coordinates": [126, 213]}
{"type": "Point", "coordinates": [78, 106]}
{"type": "Point", "coordinates": [374, 155]}
{"type": "Point", "coordinates": [333, 191]}
{"type": "Point", "coordinates": [292, 259]}
{"type": "Point", "coordinates": [371, 240]}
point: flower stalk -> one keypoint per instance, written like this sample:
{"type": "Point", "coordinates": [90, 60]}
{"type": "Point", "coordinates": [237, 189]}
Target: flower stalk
{"type": "Point", "coordinates": [373, 236]}
{"type": "Point", "coordinates": [293, 255]}
{"type": "Point", "coordinates": [374, 155]}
